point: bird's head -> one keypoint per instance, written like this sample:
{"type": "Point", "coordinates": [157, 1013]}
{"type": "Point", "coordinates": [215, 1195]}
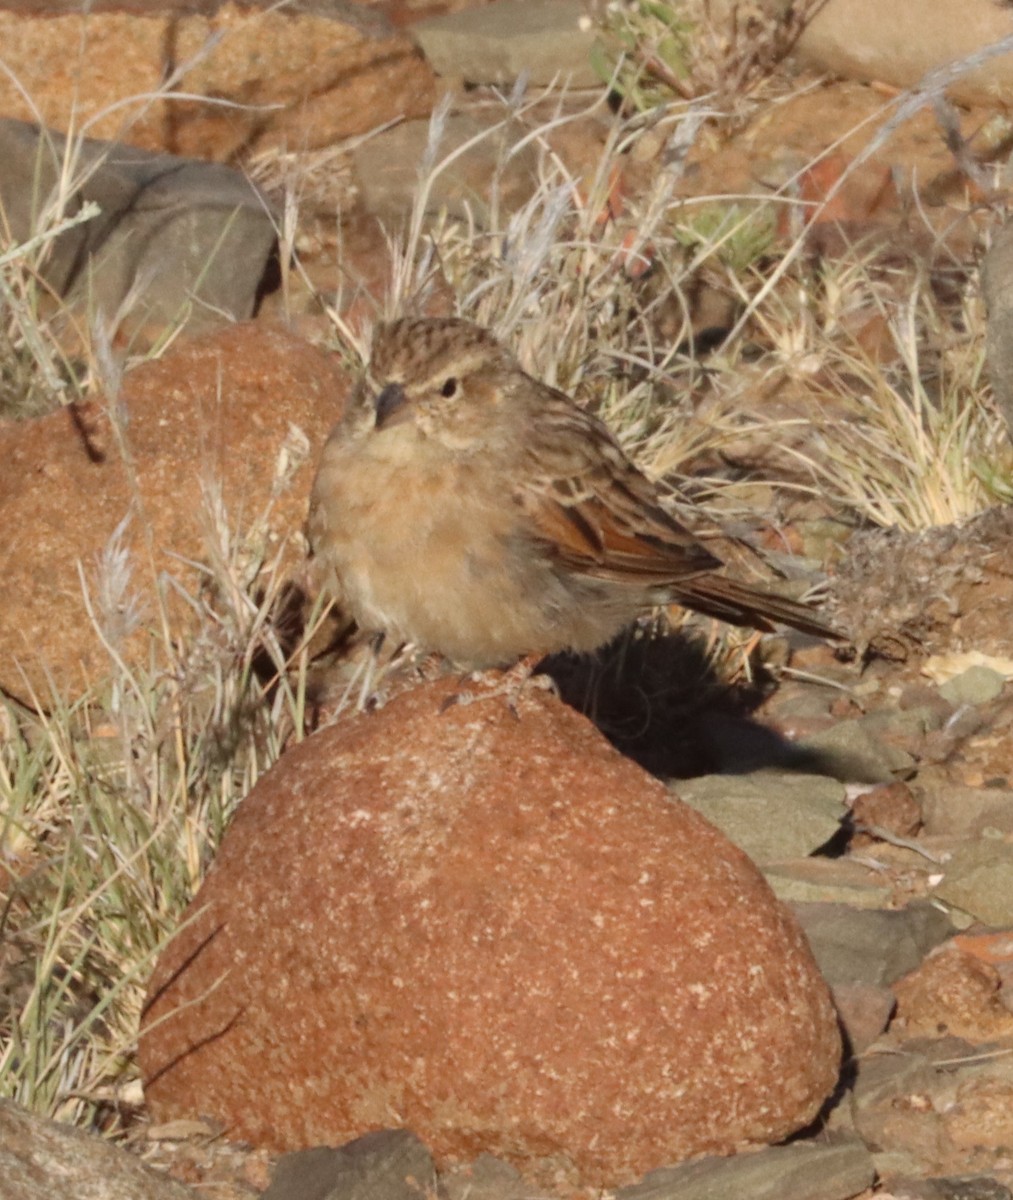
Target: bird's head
{"type": "Point", "coordinates": [444, 376]}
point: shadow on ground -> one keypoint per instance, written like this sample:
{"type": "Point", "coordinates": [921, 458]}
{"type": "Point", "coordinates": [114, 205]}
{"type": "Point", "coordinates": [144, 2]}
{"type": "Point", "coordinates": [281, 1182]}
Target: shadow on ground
{"type": "Point", "coordinates": [660, 701]}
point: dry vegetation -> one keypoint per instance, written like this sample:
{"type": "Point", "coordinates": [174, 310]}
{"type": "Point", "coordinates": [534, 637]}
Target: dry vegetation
{"type": "Point", "coordinates": [112, 805]}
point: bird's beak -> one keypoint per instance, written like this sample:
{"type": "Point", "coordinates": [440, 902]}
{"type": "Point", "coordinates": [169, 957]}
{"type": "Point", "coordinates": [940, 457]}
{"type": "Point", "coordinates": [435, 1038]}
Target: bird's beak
{"type": "Point", "coordinates": [391, 406]}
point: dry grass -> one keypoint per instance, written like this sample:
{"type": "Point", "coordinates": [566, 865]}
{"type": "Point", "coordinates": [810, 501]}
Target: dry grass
{"type": "Point", "coordinates": [112, 809]}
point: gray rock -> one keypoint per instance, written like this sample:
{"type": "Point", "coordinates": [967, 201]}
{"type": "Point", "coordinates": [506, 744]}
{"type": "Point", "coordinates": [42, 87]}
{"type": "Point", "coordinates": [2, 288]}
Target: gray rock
{"type": "Point", "coordinates": [546, 39]}
{"type": "Point", "coordinates": [851, 751]}
{"type": "Point", "coordinates": [389, 1164]}
{"type": "Point", "coordinates": [177, 241]}
{"type": "Point", "coordinates": [997, 288]}
{"type": "Point", "coordinates": [802, 1171]}
{"type": "Point", "coordinates": [976, 685]}
{"type": "Point", "coordinates": [905, 722]}
{"type": "Point", "coordinates": [950, 1187]}
{"type": "Point", "coordinates": [881, 1078]}
{"type": "Point", "coordinates": [979, 880]}
{"type": "Point", "coordinates": [865, 946]}
{"type": "Point", "coordinates": [309, 1174]}
{"type": "Point", "coordinates": [487, 1178]}
{"type": "Point", "coordinates": [949, 809]}
{"type": "Point", "coordinates": [828, 881]}
{"type": "Point", "coordinates": [387, 170]}
{"type": "Point", "coordinates": [951, 1078]}
{"type": "Point", "coordinates": [41, 1160]}
{"type": "Point", "coordinates": [771, 815]}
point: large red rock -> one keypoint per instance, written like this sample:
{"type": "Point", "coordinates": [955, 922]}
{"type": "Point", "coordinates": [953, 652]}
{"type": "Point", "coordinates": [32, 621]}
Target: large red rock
{"type": "Point", "coordinates": [497, 931]}
{"type": "Point", "coordinates": [289, 77]}
{"type": "Point", "coordinates": [240, 413]}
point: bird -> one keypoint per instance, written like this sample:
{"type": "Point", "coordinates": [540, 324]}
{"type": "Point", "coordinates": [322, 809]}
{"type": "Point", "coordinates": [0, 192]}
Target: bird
{"type": "Point", "coordinates": [468, 509]}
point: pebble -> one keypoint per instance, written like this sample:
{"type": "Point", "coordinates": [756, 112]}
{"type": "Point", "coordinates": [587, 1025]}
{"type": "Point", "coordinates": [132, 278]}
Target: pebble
{"type": "Point", "coordinates": [771, 815]}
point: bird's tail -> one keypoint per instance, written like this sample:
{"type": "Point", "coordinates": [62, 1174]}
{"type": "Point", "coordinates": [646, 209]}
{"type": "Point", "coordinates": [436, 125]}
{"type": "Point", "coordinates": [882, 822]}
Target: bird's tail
{"type": "Point", "coordinates": [743, 604]}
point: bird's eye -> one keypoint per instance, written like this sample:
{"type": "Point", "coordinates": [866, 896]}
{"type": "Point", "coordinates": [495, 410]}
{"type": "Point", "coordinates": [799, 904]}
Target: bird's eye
{"type": "Point", "coordinates": [449, 387]}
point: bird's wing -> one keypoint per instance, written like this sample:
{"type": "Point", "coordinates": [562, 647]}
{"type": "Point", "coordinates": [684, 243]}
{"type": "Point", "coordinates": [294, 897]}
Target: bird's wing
{"type": "Point", "coordinates": [593, 511]}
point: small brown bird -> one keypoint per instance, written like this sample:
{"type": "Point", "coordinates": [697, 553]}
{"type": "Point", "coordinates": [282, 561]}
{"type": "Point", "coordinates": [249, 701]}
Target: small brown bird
{"type": "Point", "coordinates": [475, 512]}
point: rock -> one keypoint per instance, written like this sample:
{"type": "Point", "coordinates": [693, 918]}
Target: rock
{"type": "Point", "coordinates": [865, 1011]}
{"type": "Point", "coordinates": [40, 1158]}
{"type": "Point", "coordinates": [850, 751]}
{"type": "Point", "coordinates": [189, 242]}
{"type": "Point", "coordinates": [499, 42]}
{"type": "Point", "coordinates": [889, 808]}
{"type": "Point", "coordinates": [262, 76]}
{"type": "Point", "coordinates": [502, 933]}
{"type": "Point", "coordinates": [387, 169]}
{"type": "Point", "coordinates": [950, 1187]}
{"type": "Point", "coordinates": [389, 1164]}
{"type": "Point", "coordinates": [935, 1108]}
{"type": "Point", "coordinates": [953, 992]}
{"type": "Point", "coordinates": [238, 410]}
{"type": "Point", "coordinates": [898, 45]}
{"type": "Point", "coordinates": [487, 167]}
{"type": "Point", "coordinates": [772, 815]}
{"type": "Point", "coordinates": [487, 1178]}
{"type": "Point", "coordinates": [967, 811]}
{"type": "Point", "coordinates": [894, 44]}
{"type": "Point", "coordinates": [979, 880]}
{"type": "Point", "coordinates": [866, 946]}
{"type": "Point", "coordinates": [828, 881]}
{"type": "Point", "coordinates": [997, 289]}
{"type": "Point", "coordinates": [802, 1171]}
{"type": "Point", "coordinates": [976, 685]}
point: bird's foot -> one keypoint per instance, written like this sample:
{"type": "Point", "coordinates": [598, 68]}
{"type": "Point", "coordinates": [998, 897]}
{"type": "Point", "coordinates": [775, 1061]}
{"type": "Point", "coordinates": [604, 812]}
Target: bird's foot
{"type": "Point", "coordinates": [511, 683]}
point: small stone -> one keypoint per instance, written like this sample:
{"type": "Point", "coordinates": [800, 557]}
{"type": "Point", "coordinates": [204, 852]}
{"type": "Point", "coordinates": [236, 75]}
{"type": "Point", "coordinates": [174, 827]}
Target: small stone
{"type": "Point", "coordinates": [891, 807]}
{"type": "Point", "coordinates": [771, 815]}
{"type": "Point", "coordinates": [865, 1011]}
{"type": "Point", "coordinates": [976, 685]}
{"type": "Point", "coordinates": [953, 992]}
{"type": "Point", "coordinates": [388, 1164]}
{"type": "Point", "coordinates": [904, 724]}
{"type": "Point", "coordinates": [499, 42]}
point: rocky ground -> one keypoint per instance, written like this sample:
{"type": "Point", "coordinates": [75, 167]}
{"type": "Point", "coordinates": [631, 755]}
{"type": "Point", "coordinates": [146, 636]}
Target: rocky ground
{"type": "Point", "coordinates": [870, 784]}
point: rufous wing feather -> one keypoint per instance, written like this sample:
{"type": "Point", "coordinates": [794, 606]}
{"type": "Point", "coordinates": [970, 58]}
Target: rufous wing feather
{"type": "Point", "coordinates": [592, 511]}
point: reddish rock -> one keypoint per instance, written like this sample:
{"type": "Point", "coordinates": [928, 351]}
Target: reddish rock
{"type": "Point", "coordinates": [891, 807]}
{"type": "Point", "coordinates": [219, 411]}
{"type": "Point", "coordinates": [953, 992]}
{"type": "Point", "coordinates": [495, 930]}
{"type": "Point", "coordinates": [290, 77]}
